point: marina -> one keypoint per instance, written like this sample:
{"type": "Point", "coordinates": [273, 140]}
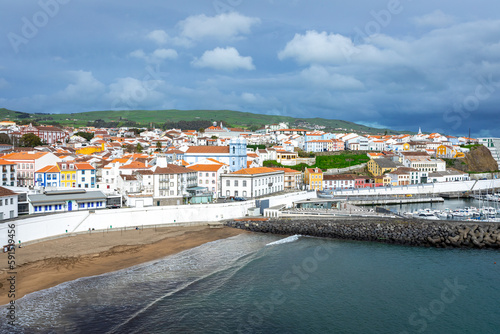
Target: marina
{"type": "Point", "coordinates": [453, 209]}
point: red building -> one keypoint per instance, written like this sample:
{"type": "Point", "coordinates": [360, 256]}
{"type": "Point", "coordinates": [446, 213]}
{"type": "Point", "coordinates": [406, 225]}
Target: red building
{"type": "Point", "coordinates": [48, 134]}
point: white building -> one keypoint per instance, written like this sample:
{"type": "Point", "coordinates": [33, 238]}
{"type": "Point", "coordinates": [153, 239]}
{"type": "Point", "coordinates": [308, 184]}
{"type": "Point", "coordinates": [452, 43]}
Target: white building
{"type": "Point", "coordinates": [8, 204]}
{"type": "Point", "coordinates": [209, 175]}
{"type": "Point", "coordinates": [170, 184]}
{"type": "Point", "coordinates": [493, 144]}
{"type": "Point", "coordinates": [333, 182]}
{"type": "Point", "coordinates": [8, 173]}
{"type": "Point", "coordinates": [85, 175]}
{"type": "Point", "coordinates": [252, 182]}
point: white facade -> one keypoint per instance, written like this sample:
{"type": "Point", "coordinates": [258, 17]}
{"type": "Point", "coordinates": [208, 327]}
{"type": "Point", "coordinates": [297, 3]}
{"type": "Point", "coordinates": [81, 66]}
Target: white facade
{"type": "Point", "coordinates": [8, 174]}
{"type": "Point", "coordinates": [256, 182]}
{"type": "Point", "coordinates": [8, 204]}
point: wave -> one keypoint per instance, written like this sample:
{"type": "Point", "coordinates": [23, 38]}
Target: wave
{"type": "Point", "coordinates": [127, 293]}
{"type": "Point", "coordinates": [230, 271]}
{"type": "Point", "coordinates": [285, 240]}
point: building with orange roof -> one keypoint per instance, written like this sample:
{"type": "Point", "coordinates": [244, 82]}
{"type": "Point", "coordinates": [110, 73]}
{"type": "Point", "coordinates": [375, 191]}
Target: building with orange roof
{"type": "Point", "coordinates": [209, 176]}
{"type": "Point", "coordinates": [8, 204]}
{"type": "Point", "coordinates": [48, 176]}
{"type": "Point", "coordinates": [293, 178]}
{"type": "Point", "coordinates": [85, 176]}
{"type": "Point", "coordinates": [29, 162]}
{"type": "Point", "coordinates": [8, 173]}
{"type": "Point", "coordinates": [252, 182]}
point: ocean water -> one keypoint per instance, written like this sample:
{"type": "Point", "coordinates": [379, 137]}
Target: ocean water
{"type": "Point", "coordinates": [255, 283]}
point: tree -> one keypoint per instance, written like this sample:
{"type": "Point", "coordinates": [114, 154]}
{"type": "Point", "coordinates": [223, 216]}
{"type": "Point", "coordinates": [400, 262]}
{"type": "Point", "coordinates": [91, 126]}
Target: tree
{"type": "Point", "coordinates": [139, 148]}
{"type": "Point", "coordinates": [4, 138]}
{"type": "Point", "coordinates": [158, 147]}
{"type": "Point", "coordinates": [30, 140]}
{"type": "Point", "coordinates": [85, 135]}
{"type": "Point", "coordinates": [201, 130]}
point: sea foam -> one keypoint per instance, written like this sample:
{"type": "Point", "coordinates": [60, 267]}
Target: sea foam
{"type": "Point", "coordinates": [285, 240]}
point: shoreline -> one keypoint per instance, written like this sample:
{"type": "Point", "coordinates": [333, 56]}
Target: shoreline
{"type": "Point", "coordinates": [410, 232]}
{"type": "Point", "coordinates": [46, 264]}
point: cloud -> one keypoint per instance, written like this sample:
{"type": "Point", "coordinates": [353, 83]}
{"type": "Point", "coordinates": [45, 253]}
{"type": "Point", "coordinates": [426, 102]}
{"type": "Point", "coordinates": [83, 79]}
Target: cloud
{"type": "Point", "coordinates": [435, 19]}
{"type": "Point", "coordinates": [156, 56]}
{"type": "Point", "coordinates": [329, 48]}
{"type": "Point", "coordinates": [160, 37]}
{"type": "Point", "coordinates": [314, 47]}
{"type": "Point", "coordinates": [84, 86]}
{"type": "Point", "coordinates": [226, 26]}
{"type": "Point", "coordinates": [126, 93]}
{"type": "Point", "coordinates": [164, 54]}
{"type": "Point", "coordinates": [227, 59]}
{"type": "Point", "coordinates": [324, 77]}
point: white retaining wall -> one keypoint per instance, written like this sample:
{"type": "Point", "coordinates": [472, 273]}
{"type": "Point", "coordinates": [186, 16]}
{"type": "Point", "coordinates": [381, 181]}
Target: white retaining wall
{"type": "Point", "coordinates": [430, 188]}
{"type": "Point", "coordinates": [41, 227]}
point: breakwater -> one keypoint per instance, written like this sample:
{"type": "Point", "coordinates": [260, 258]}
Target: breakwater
{"type": "Point", "coordinates": [411, 232]}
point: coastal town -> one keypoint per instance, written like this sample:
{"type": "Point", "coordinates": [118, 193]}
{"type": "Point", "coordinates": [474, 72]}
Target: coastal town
{"type": "Point", "coordinates": [90, 168]}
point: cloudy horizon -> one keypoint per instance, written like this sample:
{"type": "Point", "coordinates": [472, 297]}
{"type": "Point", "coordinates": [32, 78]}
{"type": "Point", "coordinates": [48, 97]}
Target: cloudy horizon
{"type": "Point", "coordinates": [395, 64]}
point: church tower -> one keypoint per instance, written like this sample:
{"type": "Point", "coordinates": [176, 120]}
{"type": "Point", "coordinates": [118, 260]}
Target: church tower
{"type": "Point", "coordinates": [237, 154]}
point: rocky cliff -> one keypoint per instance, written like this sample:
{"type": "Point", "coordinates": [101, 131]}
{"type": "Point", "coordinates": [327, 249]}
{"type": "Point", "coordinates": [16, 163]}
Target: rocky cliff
{"type": "Point", "coordinates": [479, 159]}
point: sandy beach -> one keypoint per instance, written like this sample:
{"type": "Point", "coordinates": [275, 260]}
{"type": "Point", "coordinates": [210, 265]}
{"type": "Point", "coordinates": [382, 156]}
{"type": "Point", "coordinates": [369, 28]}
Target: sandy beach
{"type": "Point", "coordinates": [49, 263]}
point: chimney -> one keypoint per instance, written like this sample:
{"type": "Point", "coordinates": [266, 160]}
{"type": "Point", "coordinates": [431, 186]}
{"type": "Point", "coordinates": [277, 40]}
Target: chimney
{"type": "Point", "coordinates": [161, 160]}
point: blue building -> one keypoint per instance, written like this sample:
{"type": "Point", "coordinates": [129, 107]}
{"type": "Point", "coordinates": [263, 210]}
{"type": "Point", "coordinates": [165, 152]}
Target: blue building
{"type": "Point", "coordinates": [48, 176]}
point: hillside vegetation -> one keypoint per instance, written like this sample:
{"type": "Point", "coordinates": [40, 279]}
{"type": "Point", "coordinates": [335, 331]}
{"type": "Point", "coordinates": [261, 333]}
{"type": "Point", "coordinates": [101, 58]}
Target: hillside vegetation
{"type": "Point", "coordinates": [160, 117]}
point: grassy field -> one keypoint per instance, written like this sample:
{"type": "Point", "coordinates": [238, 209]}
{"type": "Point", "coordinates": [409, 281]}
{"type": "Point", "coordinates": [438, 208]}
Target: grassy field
{"type": "Point", "coordinates": [145, 117]}
{"type": "Point", "coordinates": [327, 162]}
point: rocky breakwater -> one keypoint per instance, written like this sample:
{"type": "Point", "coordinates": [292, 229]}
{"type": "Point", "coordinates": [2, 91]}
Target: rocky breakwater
{"type": "Point", "coordinates": [388, 230]}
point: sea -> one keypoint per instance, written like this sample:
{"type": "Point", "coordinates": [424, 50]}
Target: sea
{"type": "Point", "coordinates": [260, 283]}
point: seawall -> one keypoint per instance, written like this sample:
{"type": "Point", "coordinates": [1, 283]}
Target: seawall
{"type": "Point", "coordinates": [41, 227]}
{"type": "Point", "coordinates": [411, 232]}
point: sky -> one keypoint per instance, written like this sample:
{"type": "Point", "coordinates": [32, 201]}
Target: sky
{"type": "Point", "coordinates": [400, 64]}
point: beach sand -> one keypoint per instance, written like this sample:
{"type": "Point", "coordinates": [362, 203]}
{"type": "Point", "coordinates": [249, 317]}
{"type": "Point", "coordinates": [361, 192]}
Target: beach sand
{"type": "Point", "coordinates": [46, 264]}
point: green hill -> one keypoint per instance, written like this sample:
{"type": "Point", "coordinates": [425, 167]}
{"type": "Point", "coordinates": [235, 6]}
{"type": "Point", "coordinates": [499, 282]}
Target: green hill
{"type": "Point", "coordinates": [159, 117]}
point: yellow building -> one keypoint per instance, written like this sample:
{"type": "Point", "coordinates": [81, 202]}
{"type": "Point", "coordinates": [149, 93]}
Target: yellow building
{"type": "Point", "coordinates": [87, 150]}
{"type": "Point", "coordinates": [379, 166]}
{"type": "Point", "coordinates": [313, 178]}
{"type": "Point", "coordinates": [384, 179]}
{"type": "Point", "coordinates": [68, 174]}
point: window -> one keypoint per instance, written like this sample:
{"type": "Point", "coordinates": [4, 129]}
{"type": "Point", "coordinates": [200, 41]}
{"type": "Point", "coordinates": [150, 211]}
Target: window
{"type": "Point", "coordinates": [213, 174]}
{"type": "Point", "coordinates": [206, 174]}
{"type": "Point", "coordinates": [200, 174]}
{"type": "Point", "coordinates": [228, 183]}
{"type": "Point", "coordinates": [83, 172]}
{"type": "Point", "coordinates": [235, 183]}
{"type": "Point", "coordinates": [11, 201]}
{"type": "Point", "coordinates": [83, 179]}
{"type": "Point", "coordinates": [244, 183]}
